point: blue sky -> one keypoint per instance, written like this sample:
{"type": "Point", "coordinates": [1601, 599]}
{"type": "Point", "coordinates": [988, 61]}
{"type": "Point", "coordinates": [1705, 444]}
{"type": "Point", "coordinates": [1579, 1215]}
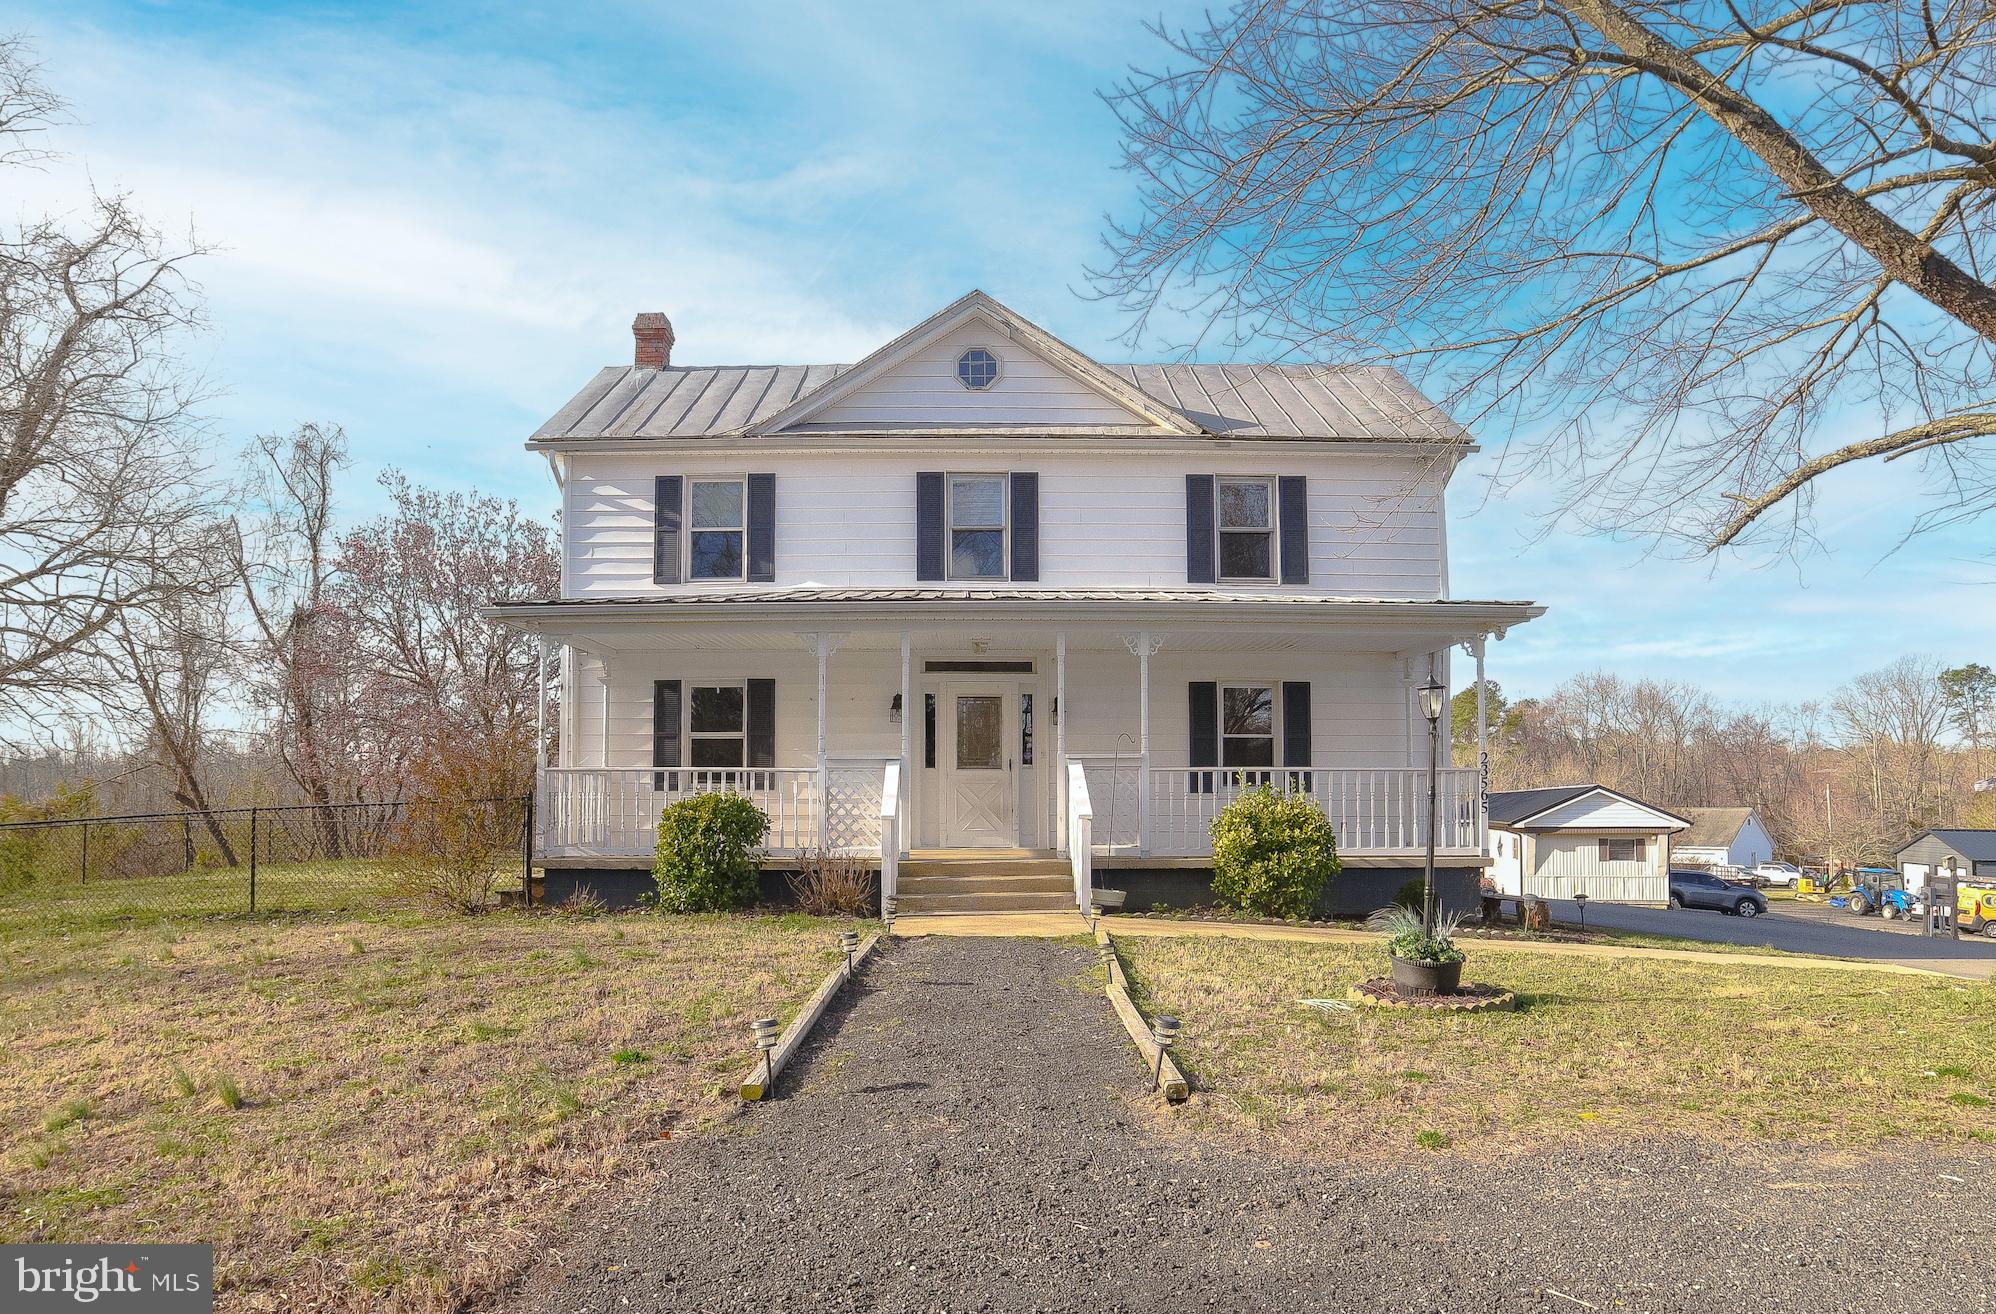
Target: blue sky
{"type": "Point", "coordinates": [434, 222]}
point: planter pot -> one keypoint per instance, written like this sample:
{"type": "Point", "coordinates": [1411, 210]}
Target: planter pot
{"type": "Point", "coordinates": [1411, 978]}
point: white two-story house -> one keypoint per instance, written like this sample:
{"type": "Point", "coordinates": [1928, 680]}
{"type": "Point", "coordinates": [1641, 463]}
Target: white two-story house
{"type": "Point", "coordinates": [980, 598]}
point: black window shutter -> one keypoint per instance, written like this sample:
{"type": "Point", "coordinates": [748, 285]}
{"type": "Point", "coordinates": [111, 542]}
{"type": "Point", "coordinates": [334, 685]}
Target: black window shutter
{"type": "Point", "coordinates": [1025, 526]}
{"type": "Point", "coordinates": [664, 729]}
{"type": "Point", "coordinates": [929, 525]}
{"type": "Point", "coordinates": [667, 498]}
{"type": "Point", "coordinates": [762, 531]}
{"type": "Point", "coordinates": [1296, 723]}
{"type": "Point", "coordinates": [1293, 527]}
{"type": "Point", "coordinates": [1199, 545]}
{"type": "Point", "coordinates": [1203, 709]}
{"type": "Point", "coordinates": [761, 723]}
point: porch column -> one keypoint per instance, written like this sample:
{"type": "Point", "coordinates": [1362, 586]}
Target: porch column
{"type": "Point", "coordinates": [824, 771]}
{"type": "Point", "coordinates": [540, 706]}
{"type": "Point", "coordinates": [1145, 648]}
{"type": "Point", "coordinates": [1060, 738]}
{"type": "Point", "coordinates": [604, 680]}
{"type": "Point", "coordinates": [565, 717]}
{"type": "Point", "coordinates": [1482, 750]}
{"type": "Point", "coordinates": [907, 762]}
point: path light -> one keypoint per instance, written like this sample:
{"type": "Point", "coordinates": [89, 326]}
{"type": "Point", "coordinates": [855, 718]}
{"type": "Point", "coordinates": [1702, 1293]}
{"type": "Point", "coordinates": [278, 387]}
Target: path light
{"type": "Point", "coordinates": [1580, 901]}
{"type": "Point", "coordinates": [849, 942]}
{"type": "Point", "coordinates": [764, 1030]}
{"type": "Point", "coordinates": [1432, 693]}
{"type": "Point", "coordinates": [1107, 953]}
{"type": "Point", "coordinates": [1163, 1030]}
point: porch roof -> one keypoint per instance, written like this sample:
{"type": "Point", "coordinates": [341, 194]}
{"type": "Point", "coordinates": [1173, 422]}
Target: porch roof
{"type": "Point", "coordinates": [1362, 623]}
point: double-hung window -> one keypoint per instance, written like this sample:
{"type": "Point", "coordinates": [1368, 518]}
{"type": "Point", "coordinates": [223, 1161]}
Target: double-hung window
{"type": "Point", "coordinates": [1247, 725]}
{"type": "Point", "coordinates": [718, 728]}
{"type": "Point", "coordinates": [977, 526]}
{"type": "Point", "coordinates": [717, 531]}
{"type": "Point", "coordinates": [1244, 514]}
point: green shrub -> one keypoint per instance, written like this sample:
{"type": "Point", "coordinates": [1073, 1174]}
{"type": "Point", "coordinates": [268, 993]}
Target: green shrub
{"type": "Point", "coordinates": [1411, 893]}
{"type": "Point", "coordinates": [1272, 854]}
{"type": "Point", "coordinates": [709, 852]}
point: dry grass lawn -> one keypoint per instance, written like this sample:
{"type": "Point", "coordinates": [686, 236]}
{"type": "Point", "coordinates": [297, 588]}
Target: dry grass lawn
{"type": "Point", "coordinates": [1599, 1047]}
{"type": "Point", "coordinates": [365, 1112]}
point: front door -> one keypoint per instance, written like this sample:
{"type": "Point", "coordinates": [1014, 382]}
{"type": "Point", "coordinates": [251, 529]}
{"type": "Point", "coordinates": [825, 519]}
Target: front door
{"type": "Point", "coordinates": [979, 803]}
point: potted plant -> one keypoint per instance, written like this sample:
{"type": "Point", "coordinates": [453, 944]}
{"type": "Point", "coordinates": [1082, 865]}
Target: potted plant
{"type": "Point", "coordinates": [1423, 964]}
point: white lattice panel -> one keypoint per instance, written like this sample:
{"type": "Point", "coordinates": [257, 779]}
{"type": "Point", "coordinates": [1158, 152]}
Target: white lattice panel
{"type": "Point", "coordinates": [852, 811]}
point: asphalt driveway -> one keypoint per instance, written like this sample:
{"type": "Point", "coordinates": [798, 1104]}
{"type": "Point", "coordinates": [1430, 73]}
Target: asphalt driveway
{"type": "Point", "coordinates": [1787, 927]}
{"type": "Point", "coordinates": [970, 1131]}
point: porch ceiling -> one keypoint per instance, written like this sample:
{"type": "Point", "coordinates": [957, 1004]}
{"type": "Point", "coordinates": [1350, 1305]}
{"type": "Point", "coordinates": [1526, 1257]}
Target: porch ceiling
{"type": "Point", "coordinates": [1012, 620]}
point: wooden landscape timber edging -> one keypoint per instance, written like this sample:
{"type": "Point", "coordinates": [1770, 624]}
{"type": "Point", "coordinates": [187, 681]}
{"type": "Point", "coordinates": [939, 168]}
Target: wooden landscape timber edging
{"type": "Point", "coordinates": [1169, 1079]}
{"type": "Point", "coordinates": [761, 1077]}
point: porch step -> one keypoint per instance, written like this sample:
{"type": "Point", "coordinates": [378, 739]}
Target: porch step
{"type": "Point", "coordinates": [982, 882]}
{"type": "Point", "coordinates": [995, 901]}
{"type": "Point", "coordinates": [998, 862]}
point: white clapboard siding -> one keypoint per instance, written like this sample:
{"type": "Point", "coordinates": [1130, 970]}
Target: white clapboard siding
{"type": "Point", "coordinates": [1105, 521]}
{"type": "Point", "coordinates": [1602, 812]}
{"type": "Point", "coordinates": [1566, 864]}
{"type": "Point", "coordinates": [924, 389]}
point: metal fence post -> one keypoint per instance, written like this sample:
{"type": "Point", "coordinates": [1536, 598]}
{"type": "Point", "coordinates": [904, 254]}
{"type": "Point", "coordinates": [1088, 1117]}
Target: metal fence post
{"type": "Point", "coordinates": [252, 906]}
{"type": "Point", "coordinates": [186, 846]}
{"type": "Point", "coordinates": [86, 855]}
{"type": "Point", "coordinates": [527, 857]}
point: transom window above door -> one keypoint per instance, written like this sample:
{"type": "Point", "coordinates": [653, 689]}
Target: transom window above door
{"type": "Point", "coordinates": [1247, 725]}
{"type": "Point", "coordinates": [718, 528]}
{"type": "Point", "coordinates": [718, 727]}
{"type": "Point", "coordinates": [977, 526]}
{"type": "Point", "coordinates": [1244, 513]}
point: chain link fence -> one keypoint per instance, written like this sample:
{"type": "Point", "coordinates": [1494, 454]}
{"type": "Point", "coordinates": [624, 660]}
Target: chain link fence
{"type": "Point", "coordinates": [460, 853]}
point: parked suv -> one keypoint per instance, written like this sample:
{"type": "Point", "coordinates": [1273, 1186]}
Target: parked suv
{"type": "Point", "coordinates": [1777, 873]}
{"type": "Point", "coordinates": [1701, 889]}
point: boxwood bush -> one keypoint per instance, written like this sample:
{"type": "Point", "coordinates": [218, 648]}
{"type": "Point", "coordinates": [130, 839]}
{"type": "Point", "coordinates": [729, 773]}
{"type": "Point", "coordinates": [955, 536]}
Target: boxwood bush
{"type": "Point", "coordinates": [709, 853]}
{"type": "Point", "coordinates": [1273, 854]}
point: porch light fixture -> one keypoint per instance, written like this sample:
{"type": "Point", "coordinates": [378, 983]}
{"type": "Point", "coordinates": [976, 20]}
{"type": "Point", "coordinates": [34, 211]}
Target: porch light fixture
{"type": "Point", "coordinates": [849, 943]}
{"type": "Point", "coordinates": [1164, 1030]}
{"type": "Point", "coordinates": [764, 1030]}
{"type": "Point", "coordinates": [894, 710]}
{"type": "Point", "coordinates": [1431, 700]}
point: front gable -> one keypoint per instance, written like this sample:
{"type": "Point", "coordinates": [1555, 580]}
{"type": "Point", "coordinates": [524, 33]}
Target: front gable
{"type": "Point", "coordinates": [1042, 384]}
{"type": "Point", "coordinates": [1602, 809]}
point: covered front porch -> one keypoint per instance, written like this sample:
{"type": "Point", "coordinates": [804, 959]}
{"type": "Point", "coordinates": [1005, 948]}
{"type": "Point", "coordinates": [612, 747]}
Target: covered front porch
{"type": "Point", "coordinates": [1099, 729]}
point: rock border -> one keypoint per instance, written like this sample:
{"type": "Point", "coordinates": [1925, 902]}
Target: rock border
{"type": "Point", "coordinates": [1379, 993]}
{"type": "Point", "coordinates": [1168, 1077]}
{"type": "Point", "coordinates": [753, 1083]}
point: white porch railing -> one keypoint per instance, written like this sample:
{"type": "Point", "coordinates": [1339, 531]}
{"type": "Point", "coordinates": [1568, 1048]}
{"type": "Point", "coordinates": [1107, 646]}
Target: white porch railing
{"type": "Point", "coordinates": [1080, 835]}
{"type": "Point", "coordinates": [1373, 810]}
{"type": "Point", "coordinates": [613, 812]}
{"type": "Point", "coordinates": [598, 812]}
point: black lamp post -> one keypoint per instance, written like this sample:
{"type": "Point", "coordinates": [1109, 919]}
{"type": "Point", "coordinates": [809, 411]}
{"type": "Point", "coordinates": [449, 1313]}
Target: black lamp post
{"type": "Point", "coordinates": [1432, 694]}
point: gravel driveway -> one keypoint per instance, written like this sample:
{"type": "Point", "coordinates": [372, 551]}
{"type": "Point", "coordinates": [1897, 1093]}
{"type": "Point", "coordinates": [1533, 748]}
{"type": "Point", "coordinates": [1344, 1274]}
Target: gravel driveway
{"type": "Point", "coordinates": [1788, 926]}
{"type": "Point", "coordinates": [972, 1132]}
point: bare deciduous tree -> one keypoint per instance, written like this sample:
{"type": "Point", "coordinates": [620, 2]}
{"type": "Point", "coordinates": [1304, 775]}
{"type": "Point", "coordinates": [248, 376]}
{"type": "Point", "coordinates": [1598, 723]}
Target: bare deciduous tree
{"type": "Point", "coordinates": [300, 646]}
{"type": "Point", "coordinates": [1694, 254]}
{"type": "Point", "coordinates": [102, 476]}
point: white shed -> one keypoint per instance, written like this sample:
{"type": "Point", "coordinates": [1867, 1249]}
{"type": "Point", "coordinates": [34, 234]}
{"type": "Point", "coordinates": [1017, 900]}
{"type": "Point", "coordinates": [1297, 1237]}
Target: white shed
{"type": "Point", "coordinates": [1724, 837]}
{"type": "Point", "coordinates": [1566, 839]}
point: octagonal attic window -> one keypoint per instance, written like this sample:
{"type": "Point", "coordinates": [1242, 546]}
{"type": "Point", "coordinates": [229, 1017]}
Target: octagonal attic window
{"type": "Point", "coordinates": [977, 369]}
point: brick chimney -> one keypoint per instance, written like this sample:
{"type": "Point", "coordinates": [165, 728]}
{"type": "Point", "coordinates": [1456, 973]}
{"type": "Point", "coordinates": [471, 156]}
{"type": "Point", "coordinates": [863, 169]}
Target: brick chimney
{"type": "Point", "coordinates": [652, 333]}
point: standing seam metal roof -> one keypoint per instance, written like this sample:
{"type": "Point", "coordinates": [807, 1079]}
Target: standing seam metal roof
{"type": "Point", "coordinates": [1358, 402]}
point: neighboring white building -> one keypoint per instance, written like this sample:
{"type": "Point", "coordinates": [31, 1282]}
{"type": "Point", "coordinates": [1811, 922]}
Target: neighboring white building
{"type": "Point", "coordinates": [1556, 841]}
{"type": "Point", "coordinates": [979, 591]}
{"type": "Point", "coordinates": [1723, 836]}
